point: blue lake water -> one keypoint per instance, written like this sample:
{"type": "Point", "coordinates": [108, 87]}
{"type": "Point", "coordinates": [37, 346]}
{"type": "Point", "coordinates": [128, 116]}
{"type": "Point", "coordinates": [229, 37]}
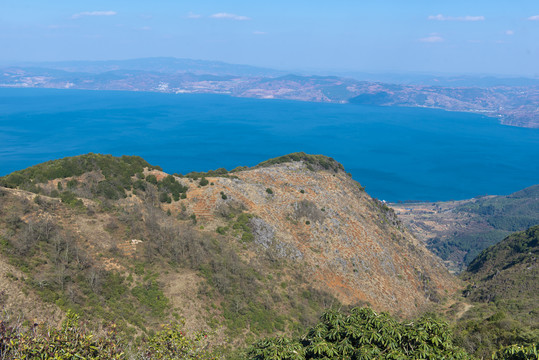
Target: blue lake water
{"type": "Point", "coordinates": [397, 153]}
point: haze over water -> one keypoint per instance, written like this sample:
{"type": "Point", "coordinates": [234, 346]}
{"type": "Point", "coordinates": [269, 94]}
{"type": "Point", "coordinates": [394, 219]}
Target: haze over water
{"type": "Point", "coordinates": [397, 153]}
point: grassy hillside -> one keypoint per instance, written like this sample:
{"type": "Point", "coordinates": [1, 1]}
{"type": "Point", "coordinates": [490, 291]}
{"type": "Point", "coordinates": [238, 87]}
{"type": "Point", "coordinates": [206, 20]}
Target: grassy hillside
{"type": "Point", "coordinates": [67, 243]}
{"type": "Point", "coordinates": [504, 284]}
{"type": "Point", "coordinates": [241, 255]}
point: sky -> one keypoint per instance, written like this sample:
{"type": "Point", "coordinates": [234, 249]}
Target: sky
{"type": "Point", "coordinates": [497, 37]}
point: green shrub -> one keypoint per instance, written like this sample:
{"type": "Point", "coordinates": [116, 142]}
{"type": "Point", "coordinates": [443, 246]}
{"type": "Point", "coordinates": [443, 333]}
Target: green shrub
{"type": "Point", "coordinates": [312, 161]}
{"type": "Point", "coordinates": [70, 199]}
{"type": "Point", "coordinates": [116, 169]}
{"type": "Point", "coordinates": [203, 181]}
{"type": "Point", "coordinates": [364, 334]}
{"type": "Point", "coordinates": [172, 344]}
{"type": "Point", "coordinates": [71, 341]}
{"type": "Point", "coordinates": [72, 183]}
{"type": "Point", "coordinates": [151, 179]}
{"type": "Point", "coordinates": [517, 352]}
{"type": "Point", "coordinates": [163, 197]}
{"type": "Point", "coordinates": [222, 230]}
{"type": "Point", "coordinates": [151, 295]}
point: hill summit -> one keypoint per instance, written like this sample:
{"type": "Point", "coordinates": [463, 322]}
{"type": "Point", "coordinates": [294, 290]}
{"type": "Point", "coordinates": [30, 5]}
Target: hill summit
{"type": "Point", "coordinates": [245, 252]}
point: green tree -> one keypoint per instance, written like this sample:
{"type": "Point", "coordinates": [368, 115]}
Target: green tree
{"type": "Point", "coordinates": [364, 334]}
{"type": "Point", "coordinates": [71, 341]}
{"type": "Point", "coordinates": [517, 352]}
{"type": "Point", "coordinates": [171, 343]}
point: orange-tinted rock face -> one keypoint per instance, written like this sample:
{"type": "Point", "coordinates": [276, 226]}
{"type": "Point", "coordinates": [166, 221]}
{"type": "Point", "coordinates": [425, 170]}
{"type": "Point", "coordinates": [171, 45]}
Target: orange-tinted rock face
{"type": "Point", "coordinates": [323, 221]}
{"type": "Point", "coordinates": [319, 226]}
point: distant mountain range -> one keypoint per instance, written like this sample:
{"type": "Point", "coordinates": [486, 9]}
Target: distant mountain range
{"type": "Point", "coordinates": [512, 100]}
{"type": "Point", "coordinates": [165, 65]}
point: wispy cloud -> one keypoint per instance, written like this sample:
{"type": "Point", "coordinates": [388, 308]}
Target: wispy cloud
{"type": "Point", "coordinates": [441, 17]}
{"type": "Point", "coordinates": [534, 18]}
{"type": "Point", "coordinates": [145, 28]}
{"type": "Point", "coordinates": [229, 16]}
{"type": "Point", "coordinates": [509, 32]}
{"type": "Point", "coordinates": [93, 13]}
{"type": "Point", "coordinates": [193, 16]}
{"type": "Point", "coordinates": [432, 38]}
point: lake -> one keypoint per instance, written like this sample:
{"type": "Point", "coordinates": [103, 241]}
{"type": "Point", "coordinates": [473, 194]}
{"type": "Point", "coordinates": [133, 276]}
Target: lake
{"type": "Point", "coordinates": [396, 153]}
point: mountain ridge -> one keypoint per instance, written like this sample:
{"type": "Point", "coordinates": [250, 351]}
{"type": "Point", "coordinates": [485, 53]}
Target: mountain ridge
{"type": "Point", "coordinates": [512, 104]}
{"type": "Point", "coordinates": [262, 249]}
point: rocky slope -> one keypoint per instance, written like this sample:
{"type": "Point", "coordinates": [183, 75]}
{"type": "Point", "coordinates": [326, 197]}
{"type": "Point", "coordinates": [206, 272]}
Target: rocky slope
{"type": "Point", "coordinates": [350, 243]}
{"type": "Point", "coordinates": [251, 251]}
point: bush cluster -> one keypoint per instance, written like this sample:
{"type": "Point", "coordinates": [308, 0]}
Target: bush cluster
{"type": "Point", "coordinates": [313, 162]}
{"type": "Point", "coordinates": [74, 341]}
{"type": "Point", "coordinates": [364, 334]}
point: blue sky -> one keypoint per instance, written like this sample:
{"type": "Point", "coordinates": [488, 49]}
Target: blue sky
{"type": "Point", "coordinates": [453, 37]}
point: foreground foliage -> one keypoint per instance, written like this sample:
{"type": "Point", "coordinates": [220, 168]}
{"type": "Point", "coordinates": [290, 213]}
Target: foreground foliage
{"type": "Point", "coordinates": [69, 342]}
{"type": "Point", "coordinates": [517, 352]}
{"type": "Point", "coordinates": [361, 334]}
{"type": "Point", "coordinates": [364, 334]}
{"type": "Point", "coordinates": [73, 341]}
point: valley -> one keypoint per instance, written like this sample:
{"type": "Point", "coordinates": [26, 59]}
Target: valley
{"type": "Point", "coordinates": [457, 231]}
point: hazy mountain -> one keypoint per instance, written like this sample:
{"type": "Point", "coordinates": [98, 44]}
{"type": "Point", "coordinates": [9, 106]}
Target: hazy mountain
{"type": "Point", "coordinates": [168, 65]}
{"type": "Point", "coordinates": [512, 100]}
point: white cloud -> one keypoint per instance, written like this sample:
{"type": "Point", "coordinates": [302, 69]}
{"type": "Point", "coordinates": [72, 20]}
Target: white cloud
{"type": "Point", "coordinates": [509, 32]}
{"type": "Point", "coordinates": [229, 16]}
{"type": "Point", "coordinates": [432, 38]}
{"type": "Point", "coordinates": [534, 18]}
{"type": "Point", "coordinates": [145, 28]}
{"type": "Point", "coordinates": [193, 16]}
{"type": "Point", "coordinates": [441, 17]}
{"type": "Point", "coordinates": [93, 13]}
